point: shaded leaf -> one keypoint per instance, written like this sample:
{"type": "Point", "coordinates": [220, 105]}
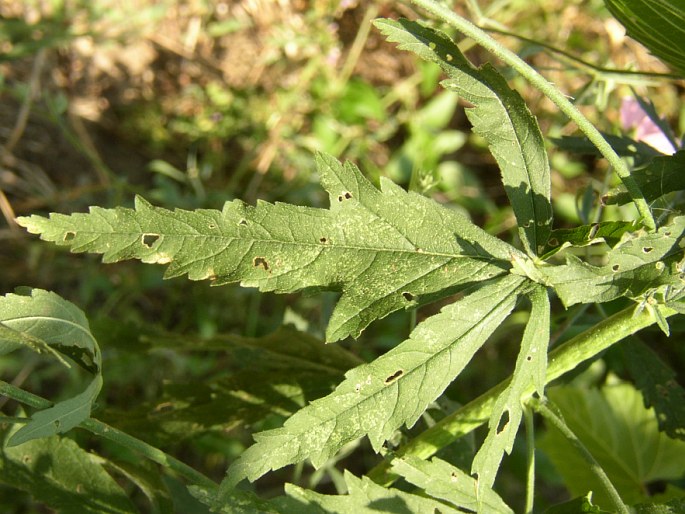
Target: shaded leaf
{"type": "Point", "coordinates": [675, 506]}
{"type": "Point", "coordinates": [58, 473]}
{"type": "Point", "coordinates": [364, 497]}
{"type": "Point", "coordinates": [662, 175]}
{"type": "Point", "coordinates": [576, 506]}
{"type": "Point", "coordinates": [531, 368]}
{"type": "Point", "coordinates": [657, 382]}
{"type": "Point", "coordinates": [624, 146]}
{"type": "Point", "coordinates": [609, 232]}
{"type": "Point", "coordinates": [446, 482]}
{"type": "Point", "coordinates": [657, 24]}
{"type": "Point", "coordinates": [236, 502]}
{"type": "Point", "coordinates": [622, 436]}
{"type": "Point", "coordinates": [500, 115]}
{"type": "Point", "coordinates": [43, 319]}
{"type": "Point", "coordinates": [377, 398]}
{"type": "Point", "coordinates": [638, 264]}
{"type": "Point", "coordinates": [386, 250]}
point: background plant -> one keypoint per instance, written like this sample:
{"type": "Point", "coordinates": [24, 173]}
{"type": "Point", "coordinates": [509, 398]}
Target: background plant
{"type": "Point", "coordinates": [175, 415]}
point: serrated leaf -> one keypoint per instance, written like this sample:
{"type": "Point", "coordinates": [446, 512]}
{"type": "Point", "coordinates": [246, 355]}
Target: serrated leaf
{"type": "Point", "coordinates": [531, 367]}
{"type": "Point", "coordinates": [364, 497]}
{"type": "Point", "coordinates": [440, 479]}
{"type": "Point", "coordinates": [61, 326]}
{"type": "Point", "coordinates": [622, 436]}
{"type": "Point", "coordinates": [500, 115]}
{"type": "Point", "coordinates": [237, 502]}
{"type": "Point", "coordinates": [662, 175]}
{"type": "Point", "coordinates": [377, 398]}
{"type": "Point", "coordinates": [638, 264]}
{"type": "Point", "coordinates": [386, 250]}
{"type": "Point", "coordinates": [657, 382]}
{"type": "Point", "coordinates": [58, 473]}
{"type": "Point", "coordinates": [657, 24]}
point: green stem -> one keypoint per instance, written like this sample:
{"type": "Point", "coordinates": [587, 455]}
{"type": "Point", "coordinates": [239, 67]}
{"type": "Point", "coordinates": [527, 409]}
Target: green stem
{"type": "Point", "coordinates": [550, 91]}
{"type": "Point", "coordinates": [102, 429]}
{"type": "Point", "coordinates": [530, 457]}
{"type": "Point", "coordinates": [563, 359]}
{"type": "Point", "coordinates": [595, 468]}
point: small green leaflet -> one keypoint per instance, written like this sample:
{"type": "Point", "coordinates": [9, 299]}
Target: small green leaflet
{"type": "Point", "coordinates": [442, 480]}
{"type": "Point", "coordinates": [377, 398]}
{"type": "Point", "coordinates": [500, 115]}
{"type": "Point", "coordinates": [386, 250]}
{"type": "Point", "coordinates": [46, 318]}
{"type": "Point", "coordinates": [531, 367]}
{"type": "Point", "coordinates": [662, 175]}
{"type": "Point", "coordinates": [609, 232]}
{"type": "Point", "coordinates": [364, 497]}
{"type": "Point", "coordinates": [639, 263]}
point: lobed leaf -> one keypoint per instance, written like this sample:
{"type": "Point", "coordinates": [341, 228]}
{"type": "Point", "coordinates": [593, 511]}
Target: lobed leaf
{"type": "Point", "coordinates": [638, 264]}
{"type": "Point", "coordinates": [440, 479]}
{"type": "Point", "coordinates": [662, 175]}
{"type": "Point", "coordinates": [500, 115]}
{"type": "Point", "coordinates": [377, 398]}
{"type": "Point", "coordinates": [58, 473]}
{"type": "Point", "coordinates": [623, 437]}
{"type": "Point", "coordinates": [385, 250]}
{"type": "Point", "coordinates": [531, 368]}
{"type": "Point", "coordinates": [44, 320]}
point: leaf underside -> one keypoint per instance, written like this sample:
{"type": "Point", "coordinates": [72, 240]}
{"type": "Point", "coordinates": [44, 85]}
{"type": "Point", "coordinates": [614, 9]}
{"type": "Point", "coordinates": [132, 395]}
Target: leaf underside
{"type": "Point", "coordinates": [500, 115]}
{"type": "Point", "coordinates": [385, 250]}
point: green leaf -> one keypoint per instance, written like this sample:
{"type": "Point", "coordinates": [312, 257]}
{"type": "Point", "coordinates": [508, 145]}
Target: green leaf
{"type": "Point", "coordinates": [638, 264]}
{"type": "Point", "coordinates": [657, 382]}
{"type": "Point", "coordinates": [364, 497]}
{"type": "Point", "coordinates": [46, 318]}
{"type": "Point", "coordinates": [500, 115]}
{"type": "Point", "coordinates": [609, 232]}
{"type": "Point", "coordinates": [675, 506]}
{"type": "Point", "coordinates": [446, 482]}
{"type": "Point", "coordinates": [657, 24]}
{"type": "Point", "coordinates": [386, 250]}
{"type": "Point", "coordinates": [531, 368]}
{"type": "Point", "coordinates": [622, 145]}
{"type": "Point", "coordinates": [377, 398]}
{"type": "Point", "coordinates": [662, 175]}
{"type": "Point", "coordinates": [622, 436]}
{"type": "Point", "coordinates": [237, 502]}
{"type": "Point", "coordinates": [58, 473]}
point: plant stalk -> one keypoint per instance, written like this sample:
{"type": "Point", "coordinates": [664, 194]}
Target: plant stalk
{"type": "Point", "coordinates": [563, 359]}
{"type": "Point", "coordinates": [102, 429]}
{"type": "Point", "coordinates": [550, 91]}
{"type": "Point", "coordinates": [530, 459]}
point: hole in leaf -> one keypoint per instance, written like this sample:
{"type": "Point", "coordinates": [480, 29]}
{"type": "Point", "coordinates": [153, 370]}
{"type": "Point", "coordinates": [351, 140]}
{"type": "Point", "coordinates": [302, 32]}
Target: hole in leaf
{"type": "Point", "coordinates": [529, 358]}
{"type": "Point", "coordinates": [616, 267]}
{"type": "Point", "coordinates": [647, 249]}
{"type": "Point", "coordinates": [408, 296]}
{"type": "Point", "coordinates": [503, 422]}
{"type": "Point", "coordinates": [68, 236]}
{"type": "Point", "coordinates": [323, 240]}
{"type": "Point", "coordinates": [667, 233]}
{"type": "Point", "coordinates": [397, 374]}
{"type": "Point", "coordinates": [345, 196]}
{"type": "Point", "coordinates": [211, 226]}
{"type": "Point", "coordinates": [242, 222]}
{"type": "Point", "coordinates": [57, 423]}
{"type": "Point", "coordinates": [260, 262]}
{"type": "Point", "coordinates": [149, 240]}
{"type": "Point", "coordinates": [553, 242]}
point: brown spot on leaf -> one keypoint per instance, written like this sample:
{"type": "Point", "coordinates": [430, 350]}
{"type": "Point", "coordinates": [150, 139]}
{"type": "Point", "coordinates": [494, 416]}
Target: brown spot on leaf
{"type": "Point", "coordinates": [397, 374]}
{"type": "Point", "coordinates": [260, 262]}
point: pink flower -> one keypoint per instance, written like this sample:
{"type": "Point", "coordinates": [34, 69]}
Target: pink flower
{"type": "Point", "coordinates": [634, 117]}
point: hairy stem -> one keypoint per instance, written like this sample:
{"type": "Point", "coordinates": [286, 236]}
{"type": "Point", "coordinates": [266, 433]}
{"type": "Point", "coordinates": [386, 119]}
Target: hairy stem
{"type": "Point", "coordinates": [102, 429]}
{"type": "Point", "coordinates": [595, 468]}
{"type": "Point", "coordinates": [530, 459]}
{"type": "Point", "coordinates": [550, 91]}
{"type": "Point", "coordinates": [563, 359]}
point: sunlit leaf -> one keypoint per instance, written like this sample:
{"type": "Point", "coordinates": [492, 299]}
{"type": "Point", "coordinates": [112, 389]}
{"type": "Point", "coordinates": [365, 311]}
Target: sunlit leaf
{"type": "Point", "coordinates": [377, 398]}
{"type": "Point", "coordinates": [500, 115]}
{"type": "Point", "coordinates": [386, 250]}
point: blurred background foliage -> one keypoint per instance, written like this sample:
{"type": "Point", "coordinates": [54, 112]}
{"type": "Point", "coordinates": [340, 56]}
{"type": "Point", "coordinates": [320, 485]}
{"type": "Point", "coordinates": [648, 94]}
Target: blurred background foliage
{"type": "Point", "coordinates": [193, 103]}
